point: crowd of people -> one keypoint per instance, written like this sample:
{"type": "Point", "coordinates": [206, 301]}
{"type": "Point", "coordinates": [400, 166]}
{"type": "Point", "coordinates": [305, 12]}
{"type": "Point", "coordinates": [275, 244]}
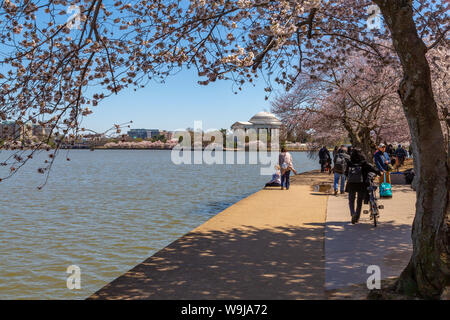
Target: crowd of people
{"type": "Point", "coordinates": [351, 171]}
{"type": "Point", "coordinates": [351, 166]}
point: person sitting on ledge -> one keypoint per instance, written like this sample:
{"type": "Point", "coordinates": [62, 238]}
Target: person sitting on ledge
{"type": "Point", "coordinates": [276, 178]}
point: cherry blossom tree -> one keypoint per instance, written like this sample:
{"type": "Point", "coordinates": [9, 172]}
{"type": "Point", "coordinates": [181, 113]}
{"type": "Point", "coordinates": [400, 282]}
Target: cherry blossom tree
{"type": "Point", "coordinates": [439, 59]}
{"type": "Point", "coordinates": [54, 71]}
{"type": "Point", "coordinates": [356, 99]}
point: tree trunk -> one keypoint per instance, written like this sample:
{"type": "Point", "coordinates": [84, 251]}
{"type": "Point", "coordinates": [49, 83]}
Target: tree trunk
{"type": "Point", "coordinates": [367, 146]}
{"type": "Point", "coordinates": [361, 139]}
{"type": "Point", "coordinates": [427, 273]}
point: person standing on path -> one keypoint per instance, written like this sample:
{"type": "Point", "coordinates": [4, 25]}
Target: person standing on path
{"type": "Point", "coordinates": [285, 162]}
{"type": "Point", "coordinates": [341, 160]}
{"type": "Point", "coordinates": [357, 182]}
{"type": "Point", "coordinates": [401, 155]}
{"type": "Point", "coordinates": [324, 158]}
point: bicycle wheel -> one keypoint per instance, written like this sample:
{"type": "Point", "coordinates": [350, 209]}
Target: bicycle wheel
{"type": "Point", "coordinates": [375, 215]}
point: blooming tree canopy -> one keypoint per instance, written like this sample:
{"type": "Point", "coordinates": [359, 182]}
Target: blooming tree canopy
{"type": "Point", "coordinates": [56, 67]}
{"type": "Point", "coordinates": [54, 70]}
{"type": "Point", "coordinates": [356, 100]}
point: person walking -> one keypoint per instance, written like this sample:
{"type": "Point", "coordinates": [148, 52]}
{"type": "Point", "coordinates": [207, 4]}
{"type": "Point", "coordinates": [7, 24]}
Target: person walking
{"type": "Point", "coordinates": [357, 182]}
{"type": "Point", "coordinates": [324, 158]}
{"type": "Point", "coordinates": [391, 152]}
{"type": "Point", "coordinates": [285, 162]}
{"type": "Point", "coordinates": [380, 162]}
{"type": "Point", "coordinates": [340, 160]}
{"type": "Point", "coordinates": [401, 155]}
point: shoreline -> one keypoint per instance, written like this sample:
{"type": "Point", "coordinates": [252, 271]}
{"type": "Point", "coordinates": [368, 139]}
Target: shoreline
{"type": "Point", "coordinates": [271, 245]}
{"type": "Point", "coordinates": [201, 263]}
{"type": "Point", "coordinates": [230, 219]}
{"type": "Point", "coordinates": [289, 150]}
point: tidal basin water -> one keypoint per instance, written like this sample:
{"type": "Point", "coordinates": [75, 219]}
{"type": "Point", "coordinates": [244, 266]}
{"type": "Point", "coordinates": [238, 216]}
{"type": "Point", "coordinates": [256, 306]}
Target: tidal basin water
{"type": "Point", "coordinates": [106, 211]}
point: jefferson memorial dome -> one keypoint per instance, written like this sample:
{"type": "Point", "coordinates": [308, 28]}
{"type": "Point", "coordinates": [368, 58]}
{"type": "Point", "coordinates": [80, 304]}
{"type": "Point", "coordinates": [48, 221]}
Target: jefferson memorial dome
{"type": "Point", "coordinates": [261, 120]}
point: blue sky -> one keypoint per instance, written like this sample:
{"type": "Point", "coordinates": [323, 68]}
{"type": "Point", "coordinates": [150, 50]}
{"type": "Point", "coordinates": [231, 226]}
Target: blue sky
{"type": "Point", "coordinates": [178, 103]}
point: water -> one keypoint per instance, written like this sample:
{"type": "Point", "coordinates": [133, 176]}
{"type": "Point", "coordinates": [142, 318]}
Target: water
{"type": "Point", "coordinates": [106, 211]}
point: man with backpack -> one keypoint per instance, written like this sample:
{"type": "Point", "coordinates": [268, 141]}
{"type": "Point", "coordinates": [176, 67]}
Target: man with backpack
{"type": "Point", "coordinates": [340, 161]}
{"type": "Point", "coordinates": [357, 182]}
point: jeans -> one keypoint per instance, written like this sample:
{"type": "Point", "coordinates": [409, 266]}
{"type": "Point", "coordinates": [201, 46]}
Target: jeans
{"type": "Point", "coordinates": [338, 176]}
{"type": "Point", "coordinates": [285, 179]}
{"type": "Point", "coordinates": [351, 202]}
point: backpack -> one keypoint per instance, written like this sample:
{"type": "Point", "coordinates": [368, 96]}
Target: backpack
{"type": "Point", "coordinates": [340, 163]}
{"type": "Point", "coordinates": [385, 188]}
{"type": "Point", "coordinates": [355, 174]}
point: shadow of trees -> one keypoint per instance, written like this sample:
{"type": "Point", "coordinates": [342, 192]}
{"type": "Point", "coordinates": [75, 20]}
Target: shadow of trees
{"type": "Point", "coordinates": [350, 249]}
{"type": "Point", "coordinates": [244, 263]}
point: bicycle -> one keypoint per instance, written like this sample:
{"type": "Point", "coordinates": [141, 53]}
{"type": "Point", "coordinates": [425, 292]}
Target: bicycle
{"type": "Point", "coordinates": [373, 206]}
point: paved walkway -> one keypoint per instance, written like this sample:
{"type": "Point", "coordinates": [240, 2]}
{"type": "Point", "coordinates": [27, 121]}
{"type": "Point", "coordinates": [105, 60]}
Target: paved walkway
{"type": "Point", "coordinates": [272, 245]}
{"type": "Point", "coordinates": [350, 249]}
{"type": "Point", "coordinates": [267, 246]}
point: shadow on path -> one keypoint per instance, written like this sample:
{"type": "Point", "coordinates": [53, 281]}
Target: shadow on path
{"type": "Point", "coordinates": [351, 249]}
{"type": "Point", "coordinates": [244, 263]}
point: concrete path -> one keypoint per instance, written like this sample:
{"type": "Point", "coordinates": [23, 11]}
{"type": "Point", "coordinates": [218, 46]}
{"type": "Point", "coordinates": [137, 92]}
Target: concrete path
{"type": "Point", "coordinates": [267, 246]}
{"type": "Point", "coordinates": [350, 249]}
{"type": "Point", "coordinates": [290, 244]}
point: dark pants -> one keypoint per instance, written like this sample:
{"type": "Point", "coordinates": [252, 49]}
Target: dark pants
{"type": "Point", "coordinates": [359, 202]}
{"type": "Point", "coordinates": [323, 164]}
{"type": "Point", "coordinates": [272, 184]}
{"type": "Point", "coordinates": [285, 179]}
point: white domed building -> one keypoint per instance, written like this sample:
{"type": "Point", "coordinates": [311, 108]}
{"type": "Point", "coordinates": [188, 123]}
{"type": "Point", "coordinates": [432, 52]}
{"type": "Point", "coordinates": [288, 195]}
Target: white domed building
{"type": "Point", "coordinates": [261, 120]}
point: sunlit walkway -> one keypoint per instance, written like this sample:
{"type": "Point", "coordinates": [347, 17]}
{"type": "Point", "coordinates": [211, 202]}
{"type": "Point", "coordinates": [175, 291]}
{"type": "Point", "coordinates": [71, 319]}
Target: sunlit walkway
{"type": "Point", "coordinates": [351, 249]}
{"type": "Point", "coordinates": [295, 244]}
{"type": "Point", "coordinates": [267, 246]}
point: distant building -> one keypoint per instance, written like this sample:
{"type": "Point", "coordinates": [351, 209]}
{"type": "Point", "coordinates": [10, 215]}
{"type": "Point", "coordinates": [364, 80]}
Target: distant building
{"type": "Point", "coordinates": [152, 133]}
{"type": "Point", "coordinates": [40, 131]}
{"type": "Point", "coordinates": [10, 130]}
{"type": "Point", "coordinates": [149, 133]}
{"type": "Point", "coordinates": [167, 134]}
{"type": "Point", "coordinates": [139, 133]}
{"type": "Point", "coordinates": [261, 120]}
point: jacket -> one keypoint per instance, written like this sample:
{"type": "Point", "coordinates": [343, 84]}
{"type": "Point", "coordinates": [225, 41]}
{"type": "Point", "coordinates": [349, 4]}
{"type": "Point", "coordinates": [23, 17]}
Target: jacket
{"type": "Point", "coordinates": [362, 186]}
{"type": "Point", "coordinates": [324, 154]}
{"type": "Point", "coordinates": [346, 158]}
{"type": "Point", "coordinates": [380, 161]}
{"type": "Point", "coordinates": [400, 152]}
